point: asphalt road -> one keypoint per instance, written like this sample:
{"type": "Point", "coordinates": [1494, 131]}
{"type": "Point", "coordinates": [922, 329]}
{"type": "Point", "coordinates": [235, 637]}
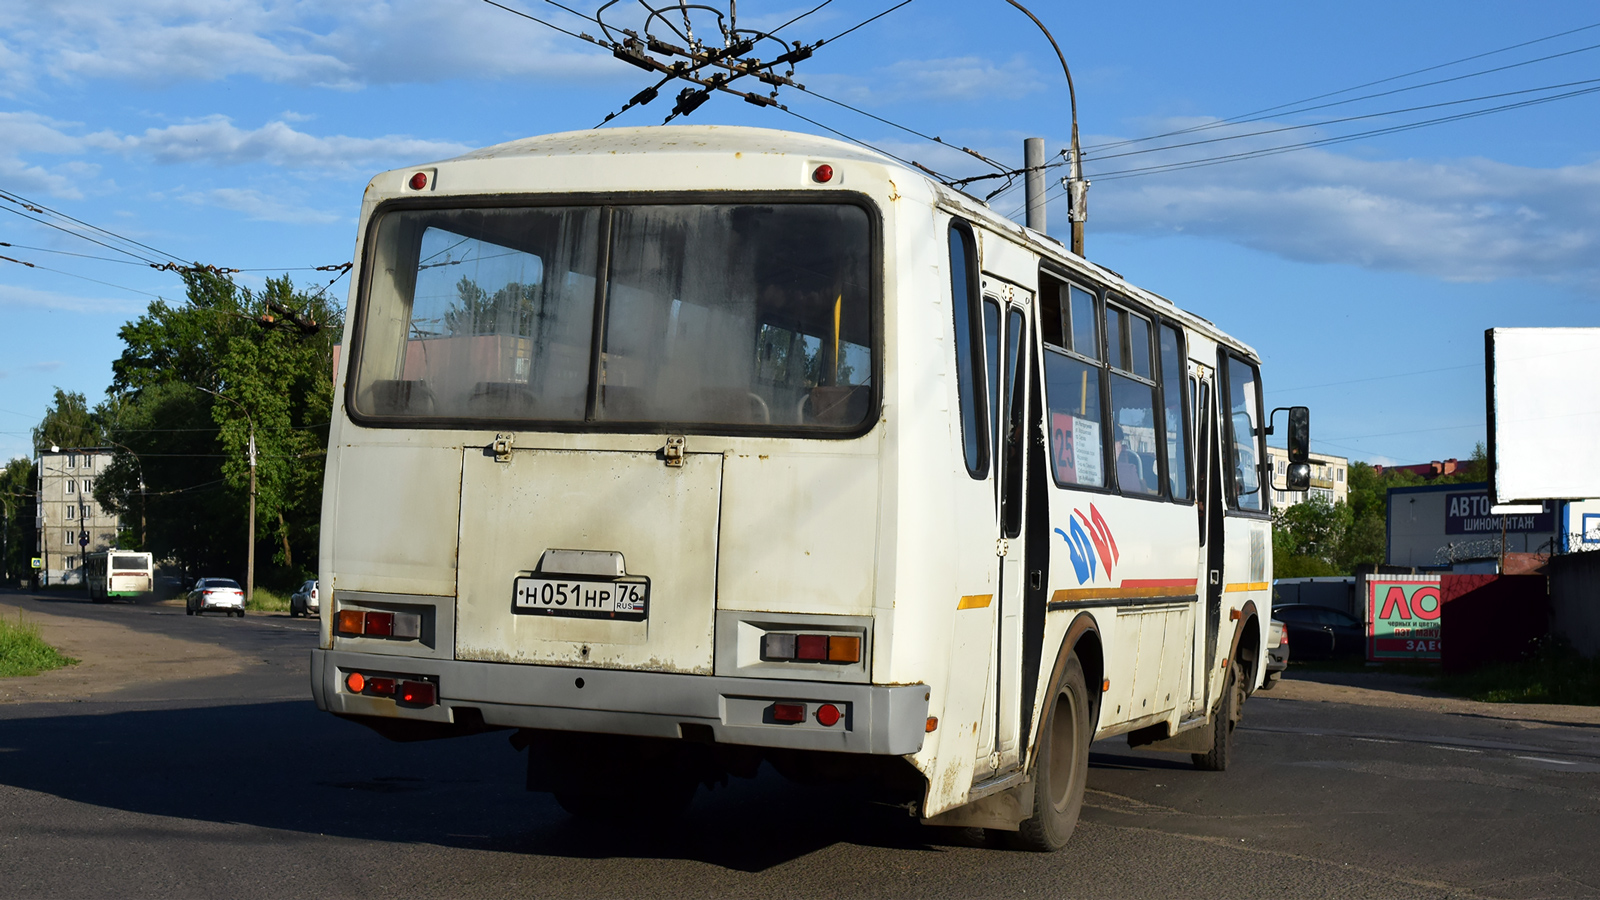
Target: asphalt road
{"type": "Point", "coordinates": [236, 786]}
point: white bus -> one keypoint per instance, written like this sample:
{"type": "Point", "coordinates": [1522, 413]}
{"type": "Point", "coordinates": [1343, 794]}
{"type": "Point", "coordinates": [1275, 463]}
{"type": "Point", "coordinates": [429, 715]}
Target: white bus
{"type": "Point", "coordinates": [680, 449]}
{"type": "Point", "coordinates": [118, 573]}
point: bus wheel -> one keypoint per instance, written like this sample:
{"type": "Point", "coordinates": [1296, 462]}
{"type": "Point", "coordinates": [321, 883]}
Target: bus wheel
{"type": "Point", "coordinates": [1061, 769]}
{"type": "Point", "coordinates": [1226, 716]}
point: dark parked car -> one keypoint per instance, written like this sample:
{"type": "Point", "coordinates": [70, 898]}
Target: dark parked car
{"type": "Point", "coordinates": [1319, 632]}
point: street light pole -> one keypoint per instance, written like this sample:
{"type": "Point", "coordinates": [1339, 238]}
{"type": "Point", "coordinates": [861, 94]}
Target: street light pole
{"type": "Point", "coordinates": [250, 566]}
{"type": "Point", "coordinates": [250, 556]}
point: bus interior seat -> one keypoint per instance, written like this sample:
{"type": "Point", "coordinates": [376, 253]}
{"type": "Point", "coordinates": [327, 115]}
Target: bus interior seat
{"type": "Point", "coordinates": [837, 404]}
{"type": "Point", "coordinates": [502, 398]}
{"type": "Point", "coordinates": [397, 397]}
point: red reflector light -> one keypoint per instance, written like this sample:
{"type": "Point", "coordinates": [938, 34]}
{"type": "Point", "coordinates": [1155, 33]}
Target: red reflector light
{"type": "Point", "coordinates": [384, 686]}
{"type": "Point", "coordinates": [419, 181]}
{"type": "Point", "coordinates": [350, 621]}
{"type": "Point", "coordinates": [420, 693]}
{"type": "Point", "coordinates": [828, 715]}
{"type": "Point", "coordinates": [355, 682]}
{"type": "Point", "coordinates": [379, 624]}
{"type": "Point", "coordinates": [811, 646]}
{"type": "Point", "coordinates": [788, 712]}
{"type": "Point", "coordinates": [822, 174]}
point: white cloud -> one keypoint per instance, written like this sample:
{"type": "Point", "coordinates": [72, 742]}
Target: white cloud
{"type": "Point", "coordinates": [217, 141]}
{"type": "Point", "coordinates": [1459, 220]}
{"type": "Point", "coordinates": [948, 80]}
{"type": "Point", "coordinates": [260, 207]}
{"type": "Point", "coordinates": [12, 295]}
{"type": "Point", "coordinates": [342, 46]}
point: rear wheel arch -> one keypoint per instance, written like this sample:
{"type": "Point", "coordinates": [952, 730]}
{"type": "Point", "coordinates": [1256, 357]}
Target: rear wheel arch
{"type": "Point", "coordinates": [1083, 640]}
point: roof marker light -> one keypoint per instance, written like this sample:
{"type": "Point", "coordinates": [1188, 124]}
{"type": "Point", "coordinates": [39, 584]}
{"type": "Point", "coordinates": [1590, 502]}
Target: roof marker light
{"type": "Point", "coordinates": [419, 181]}
{"type": "Point", "coordinates": [822, 174]}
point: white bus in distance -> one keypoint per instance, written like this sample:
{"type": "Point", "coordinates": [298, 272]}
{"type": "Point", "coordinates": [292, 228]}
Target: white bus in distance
{"type": "Point", "coordinates": [680, 449]}
{"type": "Point", "coordinates": [110, 574]}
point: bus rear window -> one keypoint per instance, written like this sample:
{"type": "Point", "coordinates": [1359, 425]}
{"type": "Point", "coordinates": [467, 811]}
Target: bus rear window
{"type": "Point", "coordinates": [741, 315]}
{"type": "Point", "coordinates": [127, 562]}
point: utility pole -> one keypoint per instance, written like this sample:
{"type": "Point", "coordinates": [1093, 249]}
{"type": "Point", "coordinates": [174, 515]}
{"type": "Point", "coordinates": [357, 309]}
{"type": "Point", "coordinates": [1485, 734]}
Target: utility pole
{"type": "Point", "coordinates": [1033, 181]}
{"type": "Point", "coordinates": [250, 565]}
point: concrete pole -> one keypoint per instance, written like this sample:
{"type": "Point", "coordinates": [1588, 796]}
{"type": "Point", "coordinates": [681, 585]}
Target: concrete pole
{"type": "Point", "coordinates": [1033, 161]}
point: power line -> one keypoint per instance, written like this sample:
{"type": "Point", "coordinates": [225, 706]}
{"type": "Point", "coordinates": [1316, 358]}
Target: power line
{"type": "Point", "coordinates": [1342, 119]}
{"type": "Point", "coordinates": [1322, 142]}
{"type": "Point", "coordinates": [861, 24]}
{"type": "Point", "coordinates": [1308, 387]}
{"type": "Point", "coordinates": [40, 207]}
{"type": "Point", "coordinates": [1286, 107]}
{"type": "Point", "coordinates": [82, 277]}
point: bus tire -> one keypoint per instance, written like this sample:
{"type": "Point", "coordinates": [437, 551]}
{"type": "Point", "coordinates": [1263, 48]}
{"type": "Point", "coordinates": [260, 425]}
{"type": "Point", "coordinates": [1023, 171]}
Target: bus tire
{"type": "Point", "coordinates": [1062, 767]}
{"type": "Point", "coordinates": [1227, 714]}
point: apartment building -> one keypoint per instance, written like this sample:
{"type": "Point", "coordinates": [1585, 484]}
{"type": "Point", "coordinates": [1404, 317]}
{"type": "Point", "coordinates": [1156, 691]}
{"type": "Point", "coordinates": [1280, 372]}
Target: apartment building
{"type": "Point", "coordinates": [67, 509]}
{"type": "Point", "coordinates": [1329, 477]}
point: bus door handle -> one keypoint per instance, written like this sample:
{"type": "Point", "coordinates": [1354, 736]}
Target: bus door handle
{"type": "Point", "coordinates": [1216, 576]}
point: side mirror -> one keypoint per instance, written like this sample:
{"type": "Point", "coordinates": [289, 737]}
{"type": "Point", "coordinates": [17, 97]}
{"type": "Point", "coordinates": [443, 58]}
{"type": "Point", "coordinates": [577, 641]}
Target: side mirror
{"type": "Point", "coordinates": [1299, 434]}
{"type": "Point", "coordinates": [1298, 478]}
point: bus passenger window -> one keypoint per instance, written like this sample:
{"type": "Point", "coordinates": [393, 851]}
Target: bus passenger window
{"type": "Point", "coordinates": [1133, 406]}
{"type": "Point", "coordinates": [969, 359]}
{"type": "Point", "coordinates": [991, 351]}
{"type": "Point", "coordinates": [1072, 393]}
{"type": "Point", "coordinates": [1085, 324]}
{"type": "Point", "coordinates": [1172, 376]}
{"type": "Point", "coordinates": [1244, 434]}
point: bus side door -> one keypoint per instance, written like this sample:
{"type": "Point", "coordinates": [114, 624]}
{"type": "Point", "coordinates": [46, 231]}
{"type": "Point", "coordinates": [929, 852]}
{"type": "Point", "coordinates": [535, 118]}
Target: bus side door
{"type": "Point", "coordinates": [1006, 342]}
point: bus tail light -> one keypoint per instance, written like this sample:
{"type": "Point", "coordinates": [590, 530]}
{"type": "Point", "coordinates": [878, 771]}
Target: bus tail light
{"type": "Point", "coordinates": [383, 686]}
{"type": "Point", "coordinates": [836, 648]}
{"type": "Point", "coordinates": [788, 712]}
{"type": "Point", "coordinates": [350, 621]}
{"type": "Point", "coordinates": [828, 715]}
{"type": "Point", "coordinates": [358, 623]}
{"type": "Point", "coordinates": [419, 693]}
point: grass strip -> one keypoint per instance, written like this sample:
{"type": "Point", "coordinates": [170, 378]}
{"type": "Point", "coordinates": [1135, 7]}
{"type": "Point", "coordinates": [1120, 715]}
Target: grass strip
{"type": "Point", "coordinates": [265, 600]}
{"type": "Point", "coordinates": [23, 652]}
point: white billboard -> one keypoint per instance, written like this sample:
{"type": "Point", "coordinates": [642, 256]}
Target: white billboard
{"type": "Point", "coordinates": [1544, 413]}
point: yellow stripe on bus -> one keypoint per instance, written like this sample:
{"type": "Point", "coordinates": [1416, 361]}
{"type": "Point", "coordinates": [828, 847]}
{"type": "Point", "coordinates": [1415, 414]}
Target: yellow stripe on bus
{"type": "Point", "coordinates": [1246, 586]}
{"type": "Point", "coordinates": [1109, 593]}
{"type": "Point", "coordinates": [975, 601]}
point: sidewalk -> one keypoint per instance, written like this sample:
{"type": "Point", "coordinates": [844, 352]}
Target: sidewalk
{"type": "Point", "coordinates": [1411, 692]}
{"type": "Point", "coordinates": [111, 657]}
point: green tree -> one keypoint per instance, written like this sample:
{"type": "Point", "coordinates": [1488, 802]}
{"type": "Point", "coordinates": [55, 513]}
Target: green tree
{"type": "Point", "coordinates": [193, 382]}
{"type": "Point", "coordinates": [1306, 537]}
{"type": "Point", "coordinates": [67, 423]}
{"type": "Point", "coordinates": [17, 508]}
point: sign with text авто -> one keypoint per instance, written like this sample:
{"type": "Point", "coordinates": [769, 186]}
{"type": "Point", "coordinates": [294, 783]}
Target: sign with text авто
{"type": "Point", "coordinates": [1403, 617]}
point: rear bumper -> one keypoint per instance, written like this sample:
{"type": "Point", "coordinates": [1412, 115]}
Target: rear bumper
{"type": "Point", "coordinates": [885, 720]}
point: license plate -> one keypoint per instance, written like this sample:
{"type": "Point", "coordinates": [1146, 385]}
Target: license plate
{"type": "Point", "coordinates": [580, 597]}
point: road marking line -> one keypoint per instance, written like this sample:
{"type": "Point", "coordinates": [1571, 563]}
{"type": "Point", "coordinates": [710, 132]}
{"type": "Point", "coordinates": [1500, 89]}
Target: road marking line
{"type": "Point", "coordinates": [1456, 749]}
{"type": "Point", "coordinates": [1375, 740]}
{"type": "Point", "coordinates": [1558, 762]}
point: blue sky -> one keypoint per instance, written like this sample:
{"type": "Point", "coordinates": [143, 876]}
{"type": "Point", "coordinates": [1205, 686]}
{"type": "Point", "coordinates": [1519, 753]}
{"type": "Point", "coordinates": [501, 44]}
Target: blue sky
{"type": "Point", "coordinates": [241, 132]}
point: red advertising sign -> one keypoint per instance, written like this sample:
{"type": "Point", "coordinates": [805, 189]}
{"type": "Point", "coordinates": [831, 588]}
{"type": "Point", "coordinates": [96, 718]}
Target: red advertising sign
{"type": "Point", "coordinates": [1403, 617]}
